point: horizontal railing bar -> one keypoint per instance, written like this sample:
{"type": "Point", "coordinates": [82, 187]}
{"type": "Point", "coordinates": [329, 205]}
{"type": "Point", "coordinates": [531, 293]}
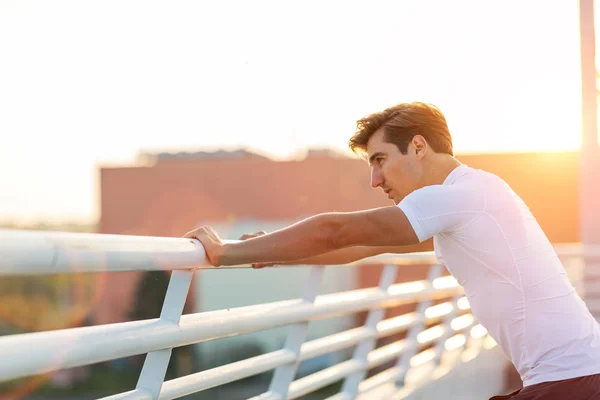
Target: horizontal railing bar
{"type": "Point", "coordinates": [340, 396]}
{"type": "Point", "coordinates": [25, 252]}
{"type": "Point", "coordinates": [390, 374]}
{"type": "Point", "coordinates": [221, 375]}
{"type": "Point", "coordinates": [334, 342]}
{"type": "Point", "coordinates": [49, 351]}
{"type": "Point", "coordinates": [34, 253]}
{"type": "Point", "coordinates": [267, 396]}
{"type": "Point", "coordinates": [389, 352]}
{"type": "Point", "coordinates": [380, 379]}
{"type": "Point", "coordinates": [137, 394]}
{"type": "Point", "coordinates": [322, 378]}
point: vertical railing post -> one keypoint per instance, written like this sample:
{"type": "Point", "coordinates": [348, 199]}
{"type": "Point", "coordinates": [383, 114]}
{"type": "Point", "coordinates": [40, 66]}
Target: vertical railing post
{"type": "Point", "coordinates": [156, 363]}
{"type": "Point", "coordinates": [403, 364]}
{"type": "Point", "coordinates": [362, 350]}
{"type": "Point", "coordinates": [284, 375]}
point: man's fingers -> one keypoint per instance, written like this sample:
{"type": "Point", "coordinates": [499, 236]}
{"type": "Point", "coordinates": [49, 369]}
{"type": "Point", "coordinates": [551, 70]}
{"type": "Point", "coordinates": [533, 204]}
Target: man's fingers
{"type": "Point", "coordinates": [262, 265]}
{"type": "Point", "coordinates": [196, 232]}
{"type": "Point", "coordinates": [252, 235]}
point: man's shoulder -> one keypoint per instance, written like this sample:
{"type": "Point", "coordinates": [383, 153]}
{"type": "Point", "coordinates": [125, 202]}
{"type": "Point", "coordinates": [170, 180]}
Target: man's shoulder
{"type": "Point", "coordinates": [478, 179]}
{"type": "Point", "coordinates": [490, 188]}
{"type": "Point", "coordinates": [467, 193]}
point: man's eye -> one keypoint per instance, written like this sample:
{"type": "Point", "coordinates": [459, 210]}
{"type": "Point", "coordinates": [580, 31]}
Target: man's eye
{"type": "Point", "coordinates": [379, 160]}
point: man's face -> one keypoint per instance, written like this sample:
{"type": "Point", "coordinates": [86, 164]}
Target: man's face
{"type": "Point", "coordinates": [395, 173]}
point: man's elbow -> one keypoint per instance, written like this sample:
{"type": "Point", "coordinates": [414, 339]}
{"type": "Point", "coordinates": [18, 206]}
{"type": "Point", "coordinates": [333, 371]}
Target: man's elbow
{"type": "Point", "coordinates": [334, 233]}
{"type": "Point", "coordinates": [329, 232]}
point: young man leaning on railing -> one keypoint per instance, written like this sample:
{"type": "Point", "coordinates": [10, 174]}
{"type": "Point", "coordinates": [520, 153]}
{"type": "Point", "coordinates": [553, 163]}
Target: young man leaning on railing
{"type": "Point", "coordinates": [483, 232]}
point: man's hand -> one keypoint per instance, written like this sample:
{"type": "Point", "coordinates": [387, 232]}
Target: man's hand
{"type": "Point", "coordinates": [246, 236]}
{"type": "Point", "coordinates": [212, 243]}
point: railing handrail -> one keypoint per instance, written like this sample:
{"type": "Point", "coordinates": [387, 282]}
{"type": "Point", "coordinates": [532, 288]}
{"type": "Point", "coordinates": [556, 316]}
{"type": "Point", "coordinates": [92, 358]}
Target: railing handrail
{"type": "Point", "coordinates": [47, 252]}
{"type": "Point", "coordinates": [27, 252]}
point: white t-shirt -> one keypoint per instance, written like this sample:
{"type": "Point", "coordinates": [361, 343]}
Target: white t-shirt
{"type": "Point", "coordinates": [517, 288]}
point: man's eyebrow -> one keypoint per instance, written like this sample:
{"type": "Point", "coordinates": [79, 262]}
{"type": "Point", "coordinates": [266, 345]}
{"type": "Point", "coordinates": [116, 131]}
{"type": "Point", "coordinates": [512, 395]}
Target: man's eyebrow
{"type": "Point", "coordinates": [374, 156]}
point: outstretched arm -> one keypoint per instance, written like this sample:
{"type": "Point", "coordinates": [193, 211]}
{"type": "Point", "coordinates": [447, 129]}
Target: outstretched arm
{"type": "Point", "coordinates": [323, 233]}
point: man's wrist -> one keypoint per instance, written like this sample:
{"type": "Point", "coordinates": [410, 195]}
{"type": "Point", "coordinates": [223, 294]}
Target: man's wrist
{"type": "Point", "coordinates": [220, 257]}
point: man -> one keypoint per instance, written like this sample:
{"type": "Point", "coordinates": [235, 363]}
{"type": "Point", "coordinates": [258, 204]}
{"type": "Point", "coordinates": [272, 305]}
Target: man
{"type": "Point", "coordinates": [482, 231]}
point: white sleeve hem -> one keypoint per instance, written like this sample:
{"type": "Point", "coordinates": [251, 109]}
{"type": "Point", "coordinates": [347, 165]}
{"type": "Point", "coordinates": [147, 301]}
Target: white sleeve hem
{"type": "Point", "coordinates": [413, 220]}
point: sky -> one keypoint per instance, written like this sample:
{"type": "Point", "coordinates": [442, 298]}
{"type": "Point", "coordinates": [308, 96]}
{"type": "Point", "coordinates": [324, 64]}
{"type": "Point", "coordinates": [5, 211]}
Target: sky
{"type": "Point", "coordinates": [85, 84]}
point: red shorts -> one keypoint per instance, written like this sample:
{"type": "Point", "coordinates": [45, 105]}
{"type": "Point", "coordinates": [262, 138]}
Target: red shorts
{"type": "Point", "coordinates": [581, 388]}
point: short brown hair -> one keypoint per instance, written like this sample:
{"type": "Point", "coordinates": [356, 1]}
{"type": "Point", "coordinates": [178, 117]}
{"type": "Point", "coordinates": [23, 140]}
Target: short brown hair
{"type": "Point", "coordinates": [401, 123]}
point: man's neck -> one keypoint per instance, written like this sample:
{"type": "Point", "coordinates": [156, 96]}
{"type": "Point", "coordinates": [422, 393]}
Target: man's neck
{"type": "Point", "coordinates": [440, 167]}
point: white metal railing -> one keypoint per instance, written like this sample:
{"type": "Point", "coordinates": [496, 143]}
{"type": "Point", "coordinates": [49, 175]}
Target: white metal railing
{"type": "Point", "coordinates": [446, 329]}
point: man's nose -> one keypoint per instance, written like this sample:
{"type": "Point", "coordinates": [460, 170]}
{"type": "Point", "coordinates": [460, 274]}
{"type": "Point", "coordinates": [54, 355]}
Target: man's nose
{"type": "Point", "coordinates": [376, 179]}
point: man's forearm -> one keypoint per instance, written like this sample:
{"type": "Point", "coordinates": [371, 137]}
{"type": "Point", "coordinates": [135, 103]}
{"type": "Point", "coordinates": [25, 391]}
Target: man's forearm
{"type": "Point", "coordinates": [338, 257]}
{"type": "Point", "coordinates": [305, 239]}
{"type": "Point", "coordinates": [349, 254]}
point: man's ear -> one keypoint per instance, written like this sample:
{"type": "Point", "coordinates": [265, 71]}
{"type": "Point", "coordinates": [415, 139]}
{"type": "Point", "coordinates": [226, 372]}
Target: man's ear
{"type": "Point", "coordinates": [420, 145]}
